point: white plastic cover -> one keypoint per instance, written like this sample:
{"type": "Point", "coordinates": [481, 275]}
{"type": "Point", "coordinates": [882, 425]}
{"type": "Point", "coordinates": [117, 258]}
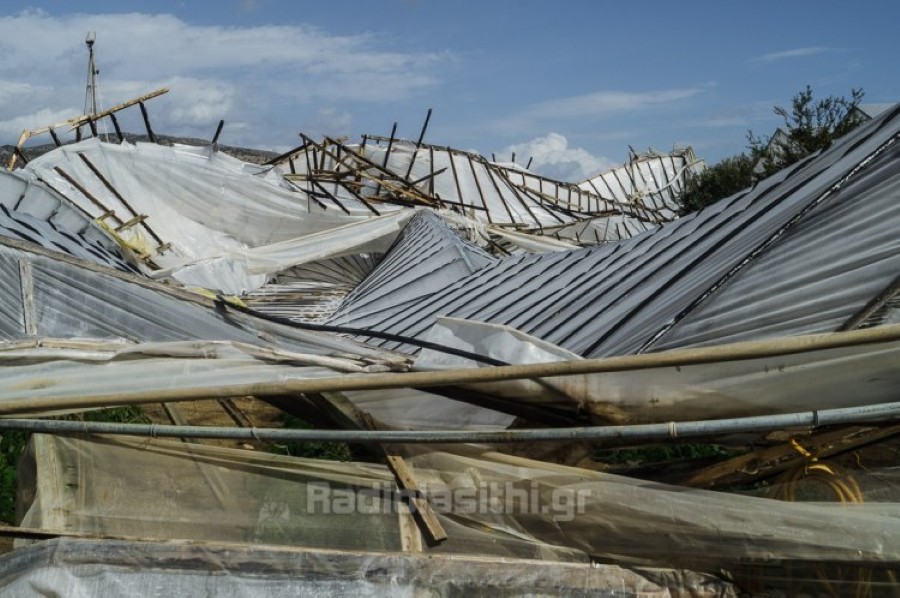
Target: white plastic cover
{"type": "Point", "coordinates": [203, 203]}
{"type": "Point", "coordinates": [852, 375]}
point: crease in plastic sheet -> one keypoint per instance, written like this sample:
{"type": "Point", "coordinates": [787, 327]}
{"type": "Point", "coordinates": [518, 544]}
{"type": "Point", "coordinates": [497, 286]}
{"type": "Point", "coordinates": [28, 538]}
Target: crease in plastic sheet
{"type": "Point", "coordinates": [491, 504]}
{"type": "Point", "coordinates": [110, 369]}
{"type": "Point", "coordinates": [89, 568]}
{"type": "Point", "coordinates": [849, 376]}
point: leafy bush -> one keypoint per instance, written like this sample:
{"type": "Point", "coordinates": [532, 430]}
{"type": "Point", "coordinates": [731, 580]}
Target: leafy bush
{"type": "Point", "coordinates": [809, 126]}
{"type": "Point", "coordinates": [718, 181]}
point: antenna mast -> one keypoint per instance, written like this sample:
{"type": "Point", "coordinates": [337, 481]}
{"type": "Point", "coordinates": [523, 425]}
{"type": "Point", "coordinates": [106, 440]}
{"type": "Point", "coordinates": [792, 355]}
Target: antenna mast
{"type": "Point", "coordinates": [91, 93]}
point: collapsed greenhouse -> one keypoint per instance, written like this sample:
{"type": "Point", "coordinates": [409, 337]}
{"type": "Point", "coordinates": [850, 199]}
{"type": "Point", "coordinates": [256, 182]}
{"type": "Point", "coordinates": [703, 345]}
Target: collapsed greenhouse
{"type": "Point", "coordinates": [488, 333]}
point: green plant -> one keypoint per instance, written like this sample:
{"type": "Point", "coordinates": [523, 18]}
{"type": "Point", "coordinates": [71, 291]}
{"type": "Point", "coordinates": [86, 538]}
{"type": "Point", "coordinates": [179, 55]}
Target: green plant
{"type": "Point", "coordinates": [129, 414]}
{"type": "Point", "coordinates": [12, 445]}
{"type": "Point", "coordinates": [809, 126]}
{"type": "Point", "coordinates": [718, 181]}
{"type": "Point", "coordinates": [331, 451]}
{"type": "Point", "coordinates": [661, 453]}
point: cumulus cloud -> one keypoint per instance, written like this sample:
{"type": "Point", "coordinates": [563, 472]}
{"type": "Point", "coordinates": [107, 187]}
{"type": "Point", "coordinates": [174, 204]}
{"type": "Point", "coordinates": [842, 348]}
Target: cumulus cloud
{"type": "Point", "coordinates": [794, 53]}
{"type": "Point", "coordinates": [551, 156]}
{"type": "Point", "coordinates": [263, 77]}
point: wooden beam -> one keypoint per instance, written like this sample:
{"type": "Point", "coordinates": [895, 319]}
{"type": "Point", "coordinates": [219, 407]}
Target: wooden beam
{"type": "Point", "coordinates": [118, 129]}
{"type": "Point", "coordinates": [146, 118]}
{"type": "Point", "coordinates": [343, 409]}
{"type": "Point", "coordinates": [118, 196]}
{"type": "Point", "coordinates": [215, 138]}
{"type": "Point", "coordinates": [86, 193]}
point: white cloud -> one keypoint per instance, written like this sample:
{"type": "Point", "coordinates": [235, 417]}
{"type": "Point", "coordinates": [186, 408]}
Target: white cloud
{"type": "Point", "coordinates": [264, 77]}
{"type": "Point", "coordinates": [592, 105]}
{"type": "Point", "coordinates": [552, 157]}
{"type": "Point", "coordinates": [11, 128]}
{"type": "Point", "coordinates": [795, 53]}
{"type": "Point", "coordinates": [604, 102]}
{"type": "Point", "coordinates": [329, 121]}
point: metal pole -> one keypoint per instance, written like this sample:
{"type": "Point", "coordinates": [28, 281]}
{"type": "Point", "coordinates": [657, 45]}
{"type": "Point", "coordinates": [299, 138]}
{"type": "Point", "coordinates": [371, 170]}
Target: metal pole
{"type": "Point", "coordinates": [611, 434]}
{"type": "Point", "coordinates": [473, 375]}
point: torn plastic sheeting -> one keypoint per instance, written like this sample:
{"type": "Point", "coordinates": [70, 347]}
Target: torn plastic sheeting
{"type": "Point", "coordinates": [828, 226]}
{"type": "Point", "coordinates": [620, 517]}
{"type": "Point", "coordinates": [427, 256]}
{"type": "Point", "coordinates": [201, 201]}
{"type": "Point", "coordinates": [240, 271]}
{"type": "Point", "coordinates": [816, 379]}
{"type": "Point", "coordinates": [655, 180]}
{"type": "Point", "coordinates": [411, 409]}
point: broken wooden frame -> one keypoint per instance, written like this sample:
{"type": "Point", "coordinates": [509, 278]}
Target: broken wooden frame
{"type": "Point", "coordinates": [78, 122]}
{"type": "Point", "coordinates": [331, 171]}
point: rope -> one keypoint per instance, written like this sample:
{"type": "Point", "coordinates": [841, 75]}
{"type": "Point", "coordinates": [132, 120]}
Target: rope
{"type": "Point", "coordinates": [844, 487]}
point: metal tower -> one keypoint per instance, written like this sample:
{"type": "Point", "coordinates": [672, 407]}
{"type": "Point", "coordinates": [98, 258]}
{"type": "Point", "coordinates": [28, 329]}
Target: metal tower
{"type": "Point", "coordinates": [92, 94]}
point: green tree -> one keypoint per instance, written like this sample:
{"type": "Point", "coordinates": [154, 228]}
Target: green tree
{"type": "Point", "coordinates": [810, 125]}
{"type": "Point", "coordinates": [719, 180]}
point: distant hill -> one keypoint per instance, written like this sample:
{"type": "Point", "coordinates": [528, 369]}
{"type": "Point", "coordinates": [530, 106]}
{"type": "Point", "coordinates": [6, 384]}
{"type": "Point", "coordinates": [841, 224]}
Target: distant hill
{"type": "Point", "coordinates": [242, 153]}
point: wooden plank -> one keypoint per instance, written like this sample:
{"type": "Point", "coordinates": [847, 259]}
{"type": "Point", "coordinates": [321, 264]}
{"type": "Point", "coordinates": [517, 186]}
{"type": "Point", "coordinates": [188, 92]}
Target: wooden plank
{"type": "Point", "coordinates": [29, 310]}
{"type": "Point", "coordinates": [344, 410]}
{"type": "Point", "coordinates": [79, 121]}
{"type": "Point", "coordinates": [146, 118]}
{"type": "Point", "coordinates": [109, 186]}
{"type": "Point", "coordinates": [50, 482]}
{"type": "Point", "coordinates": [139, 219]}
{"type": "Point", "coordinates": [86, 193]}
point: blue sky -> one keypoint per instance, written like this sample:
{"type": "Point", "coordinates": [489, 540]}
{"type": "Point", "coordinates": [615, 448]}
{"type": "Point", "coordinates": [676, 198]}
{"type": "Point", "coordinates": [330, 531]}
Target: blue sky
{"type": "Point", "coordinates": [573, 84]}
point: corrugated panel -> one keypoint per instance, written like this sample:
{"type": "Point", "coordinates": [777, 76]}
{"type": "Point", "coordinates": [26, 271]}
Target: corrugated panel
{"type": "Point", "coordinates": [312, 292]}
{"type": "Point", "coordinates": [81, 300]}
{"type": "Point", "coordinates": [427, 257]}
{"type": "Point", "coordinates": [30, 211]}
{"type": "Point", "coordinates": [621, 298]}
{"type": "Point", "coordinates": [19, 225]}
{"type": "Point", "coordinates": [12, 317]}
